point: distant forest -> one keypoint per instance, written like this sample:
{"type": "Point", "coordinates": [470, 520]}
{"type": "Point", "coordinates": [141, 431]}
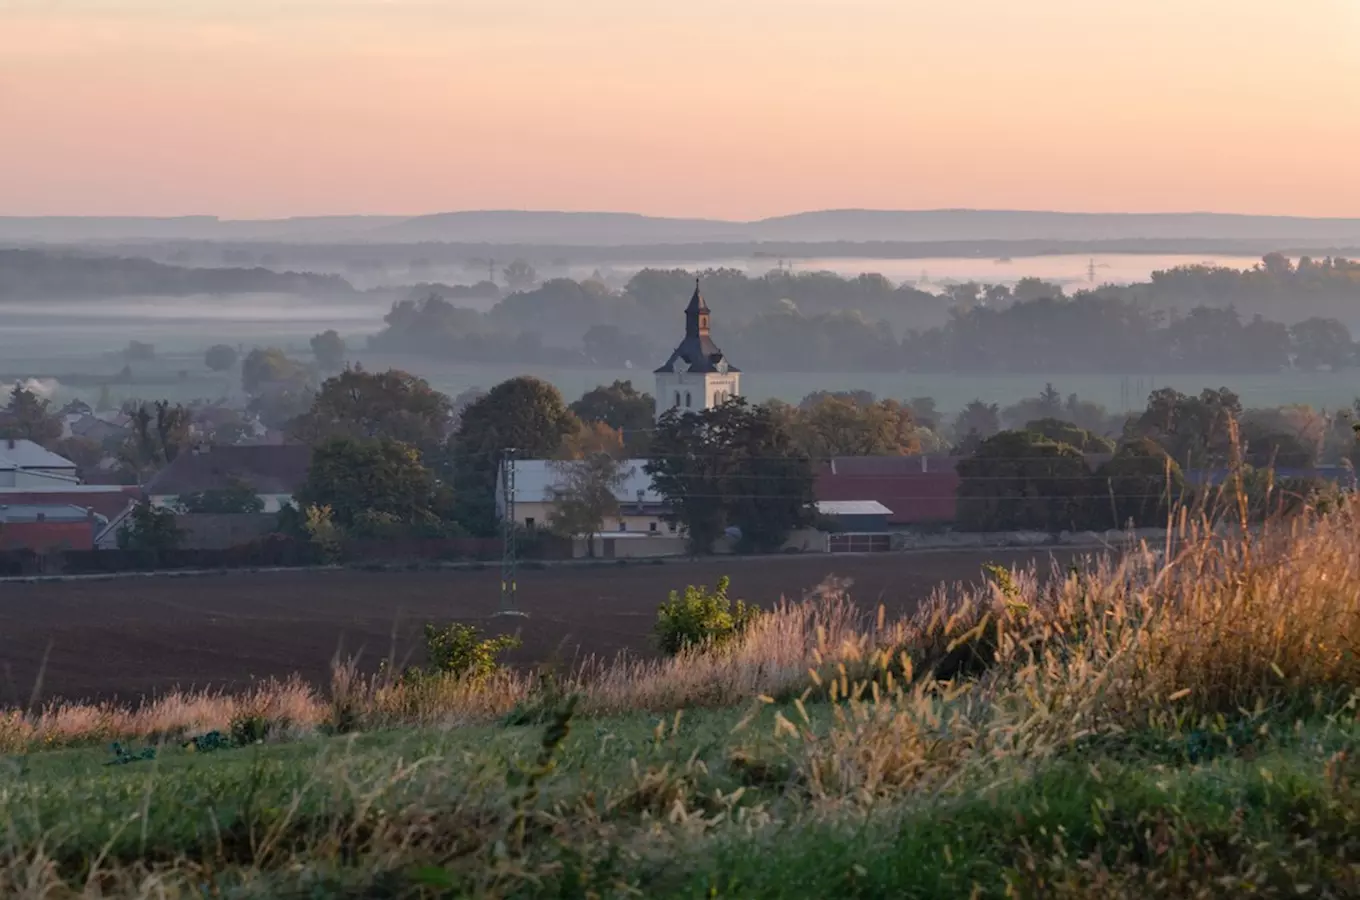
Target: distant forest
{"type": "Point", "coordinates": [1275, 316]}
{"type": "Point", "coordinates": [1196, 319]}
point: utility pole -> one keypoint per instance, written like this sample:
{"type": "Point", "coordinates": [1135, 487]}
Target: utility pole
{"type": "Point", "coordinates": [509, 537]}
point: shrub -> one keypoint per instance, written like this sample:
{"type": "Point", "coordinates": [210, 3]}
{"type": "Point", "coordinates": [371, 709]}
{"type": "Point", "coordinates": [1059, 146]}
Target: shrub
{"type": "Point", "coordinates": [460, 651]}
{"type": "Point", "coordinates": [701, 618]}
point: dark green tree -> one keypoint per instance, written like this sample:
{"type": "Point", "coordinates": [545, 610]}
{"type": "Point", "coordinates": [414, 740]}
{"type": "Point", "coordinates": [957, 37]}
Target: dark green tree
{"type": "Point", "coordinates": [237, 497]}
{"type": "Point", "coordinates": [1018, 480]}
{"type": "Point", "coordinates": [1140, 483]}
{"type": "Point", "coordinates": [523, 413]}
{"type": "Point", "coordinates": [977, 422]}
{"type": "Point", "coordinates": [30, 418]}
{"type": "Point", "coordinates": [370, 484]}
{"type": "Point", "coordinates": [150, 528]}
{"type": "Point", "coordinates": [391, 404]}
{"type": "Point", "coordinates": [329, 349]}
{"type": "Point", "coordinates": [1195, 430]}
{"type": "Point", "coordinates": [1062, 432]}
{"type": "Point", "coordinates": [732, 465]}
{"type": "Point", "coordinates": [263, 368]}
{"type": "Point", "coordinates": [220, 357]}
{"type": "Point", "coordinates": [622, 407]}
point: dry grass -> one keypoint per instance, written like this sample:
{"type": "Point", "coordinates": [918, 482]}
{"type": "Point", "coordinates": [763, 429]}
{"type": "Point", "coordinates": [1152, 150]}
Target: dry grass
{"type": "Point", "coordinates": [983, 687]}
{"type": "Point", "coordinates": [1238, 621]}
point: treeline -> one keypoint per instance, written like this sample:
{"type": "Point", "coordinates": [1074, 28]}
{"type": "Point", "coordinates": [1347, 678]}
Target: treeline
{"type": "Point", "coordinates": [1195, 319]}
{"type": "Point", "coordinates": [28, 275]}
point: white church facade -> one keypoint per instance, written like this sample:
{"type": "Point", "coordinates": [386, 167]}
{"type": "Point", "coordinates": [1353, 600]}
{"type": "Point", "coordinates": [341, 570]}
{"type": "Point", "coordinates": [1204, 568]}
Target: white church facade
{"type": "Point", "coordinates": [697, 376]}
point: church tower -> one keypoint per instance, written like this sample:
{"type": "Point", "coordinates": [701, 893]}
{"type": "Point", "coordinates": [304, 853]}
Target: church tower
{"type": "Point", "coordinates": [697, 376]}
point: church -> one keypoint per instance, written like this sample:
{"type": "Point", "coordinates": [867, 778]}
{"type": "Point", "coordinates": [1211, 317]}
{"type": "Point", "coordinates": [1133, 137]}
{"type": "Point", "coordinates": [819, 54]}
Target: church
{"type": "Point", "coordinates": [697, 376]}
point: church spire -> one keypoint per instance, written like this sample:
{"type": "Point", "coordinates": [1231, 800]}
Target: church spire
{"type": "Point", "coordinates": [696, 314]}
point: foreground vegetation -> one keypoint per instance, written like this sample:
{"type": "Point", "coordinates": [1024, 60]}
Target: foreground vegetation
{"type": "Point", "coordinates": [1181, 721]}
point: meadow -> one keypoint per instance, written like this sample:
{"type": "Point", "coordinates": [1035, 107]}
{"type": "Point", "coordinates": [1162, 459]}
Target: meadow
{"type": "Point", "coordinates": [1161, 724]}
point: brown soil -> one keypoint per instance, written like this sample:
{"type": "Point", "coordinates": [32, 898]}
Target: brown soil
{"type": "Point", "coordinates": [129, 637]}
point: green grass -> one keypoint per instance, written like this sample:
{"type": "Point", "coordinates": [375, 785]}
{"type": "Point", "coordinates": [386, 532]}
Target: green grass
{"type": "Point", "coordinates": [1274, 813]}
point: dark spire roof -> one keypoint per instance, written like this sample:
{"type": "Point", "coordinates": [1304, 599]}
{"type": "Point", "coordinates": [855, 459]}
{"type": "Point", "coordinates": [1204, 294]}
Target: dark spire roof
{"type": "Point", "coordinates": [697, 349]}
{"type": "Point", "coordinates": [696, 303]}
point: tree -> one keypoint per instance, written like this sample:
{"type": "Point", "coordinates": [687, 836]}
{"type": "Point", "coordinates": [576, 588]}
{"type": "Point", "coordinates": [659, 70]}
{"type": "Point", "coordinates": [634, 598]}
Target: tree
{"type": "Point", "coordinates": [157, 434]}
{"type": "Point", "coordinates": [1195, 431]}
{"type": "Point", "coordinates": [977, 422]}
{"type": "Point", "coordinates": [622, 407]}
{"type": "Point", "coordinates": [523, 413]}
{"type": "Point", "coordinates": [369, 484]}
{"type": "Point", "coordinates": [136, 351]}
{"type": "Point", "coordinates": [1018, 480]}
{"type": "Point", "coordinates": [835, 426]}
{"type": "Point", "coordinates": [591, 438]}
{"type": "Point", "coordinates": [391, 404]}
{"type": "Point", "coordinates": [1061, 432]}
{"type": "Point", "coordinates": [731, 465]}
{"type": "Point", "coordinates": [1141, 483]}
{"type": "Point", "coordinates": [329, 349]}
{"type": "Point", "coordinates": [221, 357]}
{"type": "Point", "coordinates": [85, 453]}
{"type": "Point", "coordinates": [519, 276]}
{"type": "Point", "coordinates": [271, 366]}
{"type": "Point", "coordinates": [586, 492]}
{"type": "Point", "coordinates": [1322, 344]}
{"type": "Point", "coordinates": [30, 418]}
{"type": "Point", "coordinates": [150, 528]}
{"type": "Point", "coordinates": [237, 497]}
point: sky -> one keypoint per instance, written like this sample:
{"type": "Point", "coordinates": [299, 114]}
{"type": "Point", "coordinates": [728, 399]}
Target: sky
{"type": "Point", "coordinates": [734, 109]}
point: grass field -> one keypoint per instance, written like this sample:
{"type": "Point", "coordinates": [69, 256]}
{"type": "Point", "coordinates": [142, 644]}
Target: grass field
{"type": "Point", "coordinates": [1130, 728]}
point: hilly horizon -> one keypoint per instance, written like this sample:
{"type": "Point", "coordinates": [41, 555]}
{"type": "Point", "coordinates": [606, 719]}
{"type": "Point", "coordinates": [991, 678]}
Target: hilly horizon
{"type": "Point", "coordinates": [622, 228]}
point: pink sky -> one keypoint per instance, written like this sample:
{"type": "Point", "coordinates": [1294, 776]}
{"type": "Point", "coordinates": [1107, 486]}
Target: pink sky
{"type": "Point", "coordinates": [730, 108]}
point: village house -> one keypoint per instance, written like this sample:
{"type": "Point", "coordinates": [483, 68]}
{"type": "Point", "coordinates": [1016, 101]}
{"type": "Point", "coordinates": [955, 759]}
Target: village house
{"type": "Point", "coordinates": [274, 472]}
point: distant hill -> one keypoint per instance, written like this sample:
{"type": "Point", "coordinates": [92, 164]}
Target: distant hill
{"type": "Point", "coordinates": [628, 229]}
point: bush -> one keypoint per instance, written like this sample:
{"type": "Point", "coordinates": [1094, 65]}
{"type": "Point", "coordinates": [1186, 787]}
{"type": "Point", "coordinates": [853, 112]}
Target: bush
{"type": "Point", "coordinates": [460, 651]}
{"type": "Point", "coordinates": [701, 618]}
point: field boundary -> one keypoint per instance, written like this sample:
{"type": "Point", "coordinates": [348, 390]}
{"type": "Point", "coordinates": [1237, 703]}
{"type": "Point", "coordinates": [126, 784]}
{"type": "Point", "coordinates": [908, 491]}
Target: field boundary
{"type": "Point", "coordinates": [539, 565]}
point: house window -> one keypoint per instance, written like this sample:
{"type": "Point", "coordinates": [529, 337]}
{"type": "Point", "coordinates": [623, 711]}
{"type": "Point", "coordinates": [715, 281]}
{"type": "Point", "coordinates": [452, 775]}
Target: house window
{"type": "Point", "coordinates": [670, 526]}
{"type": "Point", "coordinates": [623, 526]}
{"type": "Point", "coordinates": [529, 523]}
{"type": "Point", "coordinates": [688, 404]}
{"type": "Point", "coordinates": [651, 526]}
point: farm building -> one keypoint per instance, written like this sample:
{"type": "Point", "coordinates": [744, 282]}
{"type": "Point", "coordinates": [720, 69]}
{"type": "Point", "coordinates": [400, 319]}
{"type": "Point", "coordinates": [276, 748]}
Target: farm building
{"type": "Point", "coordinates": [640, 506]}
{"type": "Point", "coordinates": [46, 527]}
{"type": "Point", "coordinates": [917, 491]}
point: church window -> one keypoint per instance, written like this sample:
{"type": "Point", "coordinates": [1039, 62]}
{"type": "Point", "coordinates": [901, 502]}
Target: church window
{"type": "Point", "coordinates": [677, 398]}
{"type": "Point", "coordinates": [688, 404]}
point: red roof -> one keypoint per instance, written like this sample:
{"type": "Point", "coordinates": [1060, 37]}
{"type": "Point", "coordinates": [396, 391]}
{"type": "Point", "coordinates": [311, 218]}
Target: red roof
{"type": "Point", "coordinates": [917, 493]}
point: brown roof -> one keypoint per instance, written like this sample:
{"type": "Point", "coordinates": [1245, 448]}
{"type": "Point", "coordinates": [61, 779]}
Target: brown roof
{"type": "Point", "coordinates": [269, 469]}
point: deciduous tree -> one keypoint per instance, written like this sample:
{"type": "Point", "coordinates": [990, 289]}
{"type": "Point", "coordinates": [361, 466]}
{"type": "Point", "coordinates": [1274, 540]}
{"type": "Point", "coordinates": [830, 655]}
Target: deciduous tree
{"type": "Point", "coordinates": [523, 413]}
{"type": "Point", "coordinates": [220, 357]}
{"type": "Point", "coordinates": [329, 349]}
{"type": "Point", "coordinates": [369, 483]}
{"type": "Point", "coordinates": [391, 404]}
{"type": "Point", "coordinates": [585, 494]}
